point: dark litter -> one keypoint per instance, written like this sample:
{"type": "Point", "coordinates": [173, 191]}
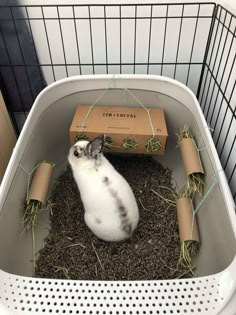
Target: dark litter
{"type": "Point", "coordinates": [71, 251]}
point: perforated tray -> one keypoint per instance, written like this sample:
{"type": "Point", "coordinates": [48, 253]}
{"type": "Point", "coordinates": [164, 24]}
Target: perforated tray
{"type": "Point", "coordinates": [206, 295]}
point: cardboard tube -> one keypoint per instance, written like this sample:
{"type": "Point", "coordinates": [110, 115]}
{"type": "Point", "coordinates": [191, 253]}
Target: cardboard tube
{"type": "Point", "coordinates": [40, 183]}
{"type": "Point", "coordinates": [190, 157]}
{"type": "Point", "coordinates": [185, 217]}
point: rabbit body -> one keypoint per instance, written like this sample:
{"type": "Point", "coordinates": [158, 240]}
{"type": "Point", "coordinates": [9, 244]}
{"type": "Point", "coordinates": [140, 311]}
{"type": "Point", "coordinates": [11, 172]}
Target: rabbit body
{"type": "Point", "coordinates": [111, 211]}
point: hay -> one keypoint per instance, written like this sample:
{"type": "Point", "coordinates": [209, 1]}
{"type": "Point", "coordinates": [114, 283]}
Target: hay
{"type": "Point", "coordinates": [108, 143]}
{"type": "Point", "coordinates": [129, 144]}
{"type": "Point", "coordinates": [188, 250]}
{"type": "Point", "coordinates": [71, 251]}
{"type": "Point", "coordinates": [153, 145]}
{"type": "Point", "coordinates": [31, 210]}
{"type": "Point", "coordinates": [182, 134]}
{"type": "Point", "coordinates": [80, 136]}
{"type": "Point", "coordinates": [195, 181]}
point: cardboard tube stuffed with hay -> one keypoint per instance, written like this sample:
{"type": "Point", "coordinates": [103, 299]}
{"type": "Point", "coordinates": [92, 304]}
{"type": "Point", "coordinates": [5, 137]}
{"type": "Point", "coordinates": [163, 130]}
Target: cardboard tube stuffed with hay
{"type": "Point", "coordinates": [40, 183]}
{"type": "Point", "coordinates": [190, 157]}
{"type": "Point", "coordinates": [185, 218]}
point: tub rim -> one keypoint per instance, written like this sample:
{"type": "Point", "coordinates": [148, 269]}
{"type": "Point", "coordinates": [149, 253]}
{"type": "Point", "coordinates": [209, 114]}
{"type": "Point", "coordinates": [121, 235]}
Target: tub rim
{"type": "Point", "coordinates": [228, 274]}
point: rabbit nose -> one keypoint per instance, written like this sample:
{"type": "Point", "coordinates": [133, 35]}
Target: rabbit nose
{"type": "Point", "coordinates": [76, 153]}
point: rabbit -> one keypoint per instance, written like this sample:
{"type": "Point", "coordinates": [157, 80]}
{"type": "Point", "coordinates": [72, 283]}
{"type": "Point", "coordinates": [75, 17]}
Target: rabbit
{"type": "Point", "coordinates": [111, 210]}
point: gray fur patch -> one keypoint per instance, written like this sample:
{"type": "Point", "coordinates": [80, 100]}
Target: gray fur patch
{"type": "Point", "coordinates": [98, 221]}
{"type": "Point", "coordinates": [127, 228]}
{"type": "Point", "coordinates": [106, 180]}
{"type": "Point", "coordinates": [123, 214]}
{"type": "Point", "coordinates": [98, 160]}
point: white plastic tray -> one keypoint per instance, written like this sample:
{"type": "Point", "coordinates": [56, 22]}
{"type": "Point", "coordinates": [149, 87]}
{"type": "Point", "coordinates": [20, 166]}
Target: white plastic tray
{"type": "Point", "coordinates": [45, 135]}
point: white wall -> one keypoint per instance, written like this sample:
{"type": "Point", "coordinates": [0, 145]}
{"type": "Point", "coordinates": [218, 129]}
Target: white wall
{"type": "Point", "coordinates": [160, 51]}
{"type": "Point", "coordinates": [229, 4]}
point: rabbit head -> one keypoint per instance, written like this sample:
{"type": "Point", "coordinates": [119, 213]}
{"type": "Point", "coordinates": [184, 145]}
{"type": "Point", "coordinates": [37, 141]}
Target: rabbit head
{"type": "Point", "coordinates": [84, 151]}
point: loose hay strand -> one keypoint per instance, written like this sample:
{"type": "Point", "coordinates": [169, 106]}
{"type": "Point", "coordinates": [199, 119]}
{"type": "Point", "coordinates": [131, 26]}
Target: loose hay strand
{"type": "Point", "coordinates": [31, 209]}
{"type": "Point", "coordinates": [99, 260]}
{"type": "Point", "coordinates": [170, 190]}
{"type": "Point", "coordinates": [188, 249]}
{"type": "Point", "coordinates": [33, 247]}
{"type": "Point", "coordinates": [165, 199]}
{"type": "Point", "coordinates": [144, 208]}
{"type": "Point", "coordinates": [64, 270]}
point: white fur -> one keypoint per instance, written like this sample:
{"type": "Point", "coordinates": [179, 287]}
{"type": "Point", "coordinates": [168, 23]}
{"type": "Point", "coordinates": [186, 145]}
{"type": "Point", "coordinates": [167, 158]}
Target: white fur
{"type": "Point", "coordinates": [102, 199]}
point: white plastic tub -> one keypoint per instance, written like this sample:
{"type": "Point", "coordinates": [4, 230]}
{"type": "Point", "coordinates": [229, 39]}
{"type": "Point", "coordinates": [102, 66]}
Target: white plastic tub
{"type": "Point", "coordinates": [46, 136]}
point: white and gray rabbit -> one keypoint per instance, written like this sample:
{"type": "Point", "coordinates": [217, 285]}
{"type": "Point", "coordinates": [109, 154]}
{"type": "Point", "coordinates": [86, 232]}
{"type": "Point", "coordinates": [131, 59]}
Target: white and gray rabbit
{"type": "Point", "coordinates": [111, 211]}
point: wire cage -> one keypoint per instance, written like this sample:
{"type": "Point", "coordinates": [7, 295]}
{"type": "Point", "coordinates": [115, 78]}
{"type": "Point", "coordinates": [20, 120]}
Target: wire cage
{"type": "Point", "coordinates": [192, 43]}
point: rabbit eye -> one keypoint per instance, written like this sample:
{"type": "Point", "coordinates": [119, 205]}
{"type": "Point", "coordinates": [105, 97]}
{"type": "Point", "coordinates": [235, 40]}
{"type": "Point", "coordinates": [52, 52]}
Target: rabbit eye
{"type": "Point", "coordinates": [76, 153]}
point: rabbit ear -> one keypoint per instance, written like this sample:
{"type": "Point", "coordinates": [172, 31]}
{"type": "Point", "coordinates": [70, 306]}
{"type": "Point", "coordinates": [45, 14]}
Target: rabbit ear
{"type": "Point", "coordinates": [95, 146]}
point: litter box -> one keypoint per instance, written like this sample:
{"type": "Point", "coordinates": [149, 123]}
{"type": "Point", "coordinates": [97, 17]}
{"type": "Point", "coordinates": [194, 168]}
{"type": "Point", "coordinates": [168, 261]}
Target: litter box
{"type": "Point", "coordinates": [46, 136]}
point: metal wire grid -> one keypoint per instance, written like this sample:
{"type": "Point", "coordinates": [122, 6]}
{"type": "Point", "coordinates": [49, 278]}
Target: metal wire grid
{"type": "Point", "coordinates": [217, 93]}
{"type": "Point", "coordinates": [191, 42]}
{"type": "Point", "coordinates": [106, 51]}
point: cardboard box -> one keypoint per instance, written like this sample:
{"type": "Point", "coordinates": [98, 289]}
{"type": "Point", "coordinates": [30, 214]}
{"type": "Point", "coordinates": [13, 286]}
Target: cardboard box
{"type": "Point", "coordinates": [120, 123]}
{"type": "Point", "coordinates": [7, 137]}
